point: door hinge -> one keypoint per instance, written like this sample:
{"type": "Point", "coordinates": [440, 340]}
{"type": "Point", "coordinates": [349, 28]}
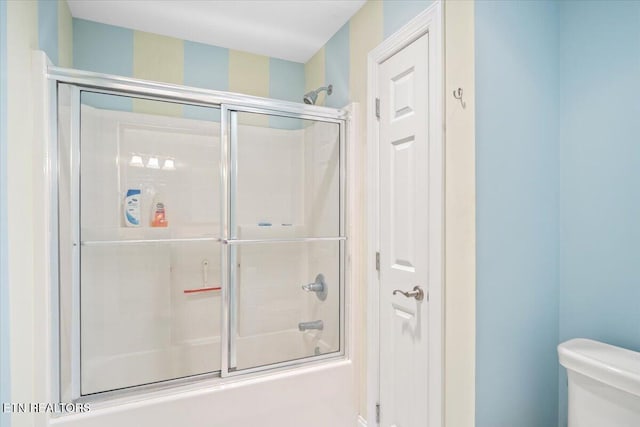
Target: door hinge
{"type": "Point", "coordinates": [377, 413]}
{"type": "Point", "coordinates": [377, 261]}
{"type": "Point", "coordinates": [378, 108]}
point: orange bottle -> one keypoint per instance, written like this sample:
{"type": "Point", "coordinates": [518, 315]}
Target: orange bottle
{"type": "Point", "coordinates": [159, 214]}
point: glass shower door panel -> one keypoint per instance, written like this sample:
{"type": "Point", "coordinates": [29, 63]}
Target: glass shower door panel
{"type": "Point", "coordinates": [140, 324]}
{"type": "Point", "coordinates": [149, 230]}
{"type": "Point", "coordinates": [287, 301]}
{"type": "Point", "coordinates": [287, 174]}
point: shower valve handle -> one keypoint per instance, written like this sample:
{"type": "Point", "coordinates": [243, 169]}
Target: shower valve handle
{"type": "Point", "coordinates": [314, 287]}
{"type": "Point", "coordinates": [319, 287]}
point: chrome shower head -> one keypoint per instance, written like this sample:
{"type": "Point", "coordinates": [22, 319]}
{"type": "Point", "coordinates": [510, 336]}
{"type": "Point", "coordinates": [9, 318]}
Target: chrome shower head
{"type": "Point", "coordinates": [312, 97]}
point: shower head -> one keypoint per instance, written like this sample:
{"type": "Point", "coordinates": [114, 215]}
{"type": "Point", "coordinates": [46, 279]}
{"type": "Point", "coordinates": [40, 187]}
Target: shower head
{"type": "Point", "coordinates": [311, 97]}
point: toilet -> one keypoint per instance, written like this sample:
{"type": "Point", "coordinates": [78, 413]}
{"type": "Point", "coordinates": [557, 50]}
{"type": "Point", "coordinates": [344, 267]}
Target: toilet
{"type": "Point", "coordinates": [604, 384]}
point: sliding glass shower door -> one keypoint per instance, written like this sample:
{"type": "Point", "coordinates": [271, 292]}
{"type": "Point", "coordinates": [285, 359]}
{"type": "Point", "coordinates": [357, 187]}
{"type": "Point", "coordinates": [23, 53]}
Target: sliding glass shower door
{"type": "Point", "coordinates": [195, 241]}
{"type": "Point", "coordinates": [140, 184]}
{"type": "Point", "coordinates": [284, 239]}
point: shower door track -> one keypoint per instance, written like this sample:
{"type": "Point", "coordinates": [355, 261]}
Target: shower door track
{"type": "Point", "coordinates": [107, 83]}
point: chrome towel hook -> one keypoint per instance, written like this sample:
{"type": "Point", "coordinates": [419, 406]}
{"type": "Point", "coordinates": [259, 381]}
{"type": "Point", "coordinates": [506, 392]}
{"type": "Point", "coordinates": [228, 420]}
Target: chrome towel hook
{"type": "Point", "coordinates": [457, 94]}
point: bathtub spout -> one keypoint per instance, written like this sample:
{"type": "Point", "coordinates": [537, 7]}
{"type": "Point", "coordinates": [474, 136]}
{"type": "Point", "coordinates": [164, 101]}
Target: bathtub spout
{"type": "Point", "coordinates": [316, 324]}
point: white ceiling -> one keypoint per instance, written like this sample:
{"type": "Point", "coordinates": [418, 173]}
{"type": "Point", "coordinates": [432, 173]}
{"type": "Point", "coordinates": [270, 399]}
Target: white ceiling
{"type": "Point", "coordinates": [286, 29]}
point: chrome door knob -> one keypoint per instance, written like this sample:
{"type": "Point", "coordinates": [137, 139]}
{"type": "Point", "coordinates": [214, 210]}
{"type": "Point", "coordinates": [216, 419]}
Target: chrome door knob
{"type": "Point", "coordinates": [416, 293]}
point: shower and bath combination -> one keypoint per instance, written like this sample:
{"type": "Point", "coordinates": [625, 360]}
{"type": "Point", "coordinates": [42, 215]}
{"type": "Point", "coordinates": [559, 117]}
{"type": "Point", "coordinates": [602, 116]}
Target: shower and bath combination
{"type": "Point", "coordinates": [226, 295]}
{"type": "Point", "coordinates": [312, 96]}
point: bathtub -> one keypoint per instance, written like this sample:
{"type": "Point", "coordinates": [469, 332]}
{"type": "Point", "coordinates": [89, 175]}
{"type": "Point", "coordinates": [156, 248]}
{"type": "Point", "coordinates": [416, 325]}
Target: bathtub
{"type": "Point", "coordinates": [118, 372]}
{"type": "Point", "coordinates": [314, 396]}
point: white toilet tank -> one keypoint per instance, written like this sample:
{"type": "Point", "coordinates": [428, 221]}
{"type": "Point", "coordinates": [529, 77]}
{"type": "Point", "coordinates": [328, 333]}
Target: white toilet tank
{"type": "Point", "coordinates": [604, 384]}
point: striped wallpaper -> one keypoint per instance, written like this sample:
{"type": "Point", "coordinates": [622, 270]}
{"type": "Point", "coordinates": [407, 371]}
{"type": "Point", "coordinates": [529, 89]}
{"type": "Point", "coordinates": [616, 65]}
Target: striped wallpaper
{"type": "Point", "coordinates": [115, 50]}
{"type": "Point", "coordinates": [55, 31]}
{"type": "Point", "coordinates": [109, 49]}
{"type": "Point", "coordinates": [342, 61]}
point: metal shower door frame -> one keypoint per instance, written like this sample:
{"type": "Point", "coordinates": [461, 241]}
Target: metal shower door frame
{"type": "Point", "coordinates": [230, 241]}
{"type": "Point", "coordinates": [229, 104]}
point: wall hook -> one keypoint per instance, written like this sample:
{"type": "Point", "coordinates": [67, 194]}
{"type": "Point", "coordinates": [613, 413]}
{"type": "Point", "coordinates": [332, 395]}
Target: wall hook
{"type": "Point", "coordinates": [457, 94]}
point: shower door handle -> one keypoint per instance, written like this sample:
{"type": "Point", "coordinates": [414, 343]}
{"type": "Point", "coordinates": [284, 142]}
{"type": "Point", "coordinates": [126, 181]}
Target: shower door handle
{"type": "Point", "coordinates": [416, 293]}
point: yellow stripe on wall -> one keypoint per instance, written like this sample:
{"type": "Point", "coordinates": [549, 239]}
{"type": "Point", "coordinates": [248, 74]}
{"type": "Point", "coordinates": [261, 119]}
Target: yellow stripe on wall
{"type": "Point", "coordinates": [365, 33]}
{"type": "Point", "coordinates": [460, 219]}
{"type": "Point", "coordinates": [22, 195]}
{"type": "Point", "coordinates": [65, 35]}
{"type": "Point", "coordinates": [249, 74]}
{"type": "Point", "coordinates": [158, 58]}
{"type": "Point", "coordinates": [314, 71]}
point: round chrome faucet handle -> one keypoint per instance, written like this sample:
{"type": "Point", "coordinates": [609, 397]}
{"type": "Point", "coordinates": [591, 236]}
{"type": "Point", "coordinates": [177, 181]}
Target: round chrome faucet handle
{"type": "Point", "coordinates": [313, 287]}
{"type": "Point", "coordinates": [319, 287]}
{"type": "Point", "coordinates": [416, 293]}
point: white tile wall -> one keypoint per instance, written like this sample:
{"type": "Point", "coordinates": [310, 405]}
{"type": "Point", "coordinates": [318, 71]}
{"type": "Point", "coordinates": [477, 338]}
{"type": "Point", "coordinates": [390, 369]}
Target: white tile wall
{"type": "Point", "coordinates": [137, 324]}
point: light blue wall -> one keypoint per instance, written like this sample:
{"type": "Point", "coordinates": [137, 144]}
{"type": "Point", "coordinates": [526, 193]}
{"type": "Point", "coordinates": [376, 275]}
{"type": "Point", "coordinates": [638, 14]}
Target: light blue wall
{"type": "Point", "coordinates": [105, 49]}
{"type": "Point", "coordinates": [5, 368]}
{"type": "Point", "coordinates": [396, 13]}
{"type": "Point", "coordinates": [286, 81]}
{"type": "Point", "coordinates": [48, 28]}
{"type": "Point", "coordinates": [517, 162]}
{"type": "Point", "coordinates": [599, 174]}
{"type": "Point", "coordinates": [102, 48]}
{"type": "Point", "coordinates": [336, 67]}
{"type": "Point", "coordinates": [205, 67]}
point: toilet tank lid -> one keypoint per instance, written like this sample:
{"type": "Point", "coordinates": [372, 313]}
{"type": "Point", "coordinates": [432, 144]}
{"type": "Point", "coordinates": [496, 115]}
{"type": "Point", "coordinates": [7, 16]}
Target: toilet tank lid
{"type": "Point", "coordinates": [615, 366]}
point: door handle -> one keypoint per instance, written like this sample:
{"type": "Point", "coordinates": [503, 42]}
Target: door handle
{"type": "Point", "coordinates": [416, 293]}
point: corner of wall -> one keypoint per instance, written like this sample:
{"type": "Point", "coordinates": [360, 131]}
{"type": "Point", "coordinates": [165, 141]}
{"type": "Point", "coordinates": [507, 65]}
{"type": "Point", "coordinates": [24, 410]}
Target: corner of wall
{"type": "Point", "coordinates": [22, 39]}
{"type": "Point", "coordinates": [365, 33]}
{"type": "Point", "coordinates": [460, 234]}
{"type": "Point", "coordinates": [5, 331]}
{"type": "Point", "coordinates": [65, 35]}
{"type": "Point", "coordinates": [47, 26]}
{"type": "Point", "coordinates": [314, 74]}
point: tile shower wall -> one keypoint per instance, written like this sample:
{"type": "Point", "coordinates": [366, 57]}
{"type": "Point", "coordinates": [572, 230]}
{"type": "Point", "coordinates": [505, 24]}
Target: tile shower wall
{"type": "Point", "coordinates": [178, 327]}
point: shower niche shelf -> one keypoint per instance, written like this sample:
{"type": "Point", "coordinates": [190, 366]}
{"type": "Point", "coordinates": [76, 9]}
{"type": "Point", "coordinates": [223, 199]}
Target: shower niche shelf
{"type": "Point", "coordinates": [271, 231]}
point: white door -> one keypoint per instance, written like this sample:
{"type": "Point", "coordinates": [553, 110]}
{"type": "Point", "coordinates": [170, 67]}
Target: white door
{"type": "Point", "coordinates": [409, 235]}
